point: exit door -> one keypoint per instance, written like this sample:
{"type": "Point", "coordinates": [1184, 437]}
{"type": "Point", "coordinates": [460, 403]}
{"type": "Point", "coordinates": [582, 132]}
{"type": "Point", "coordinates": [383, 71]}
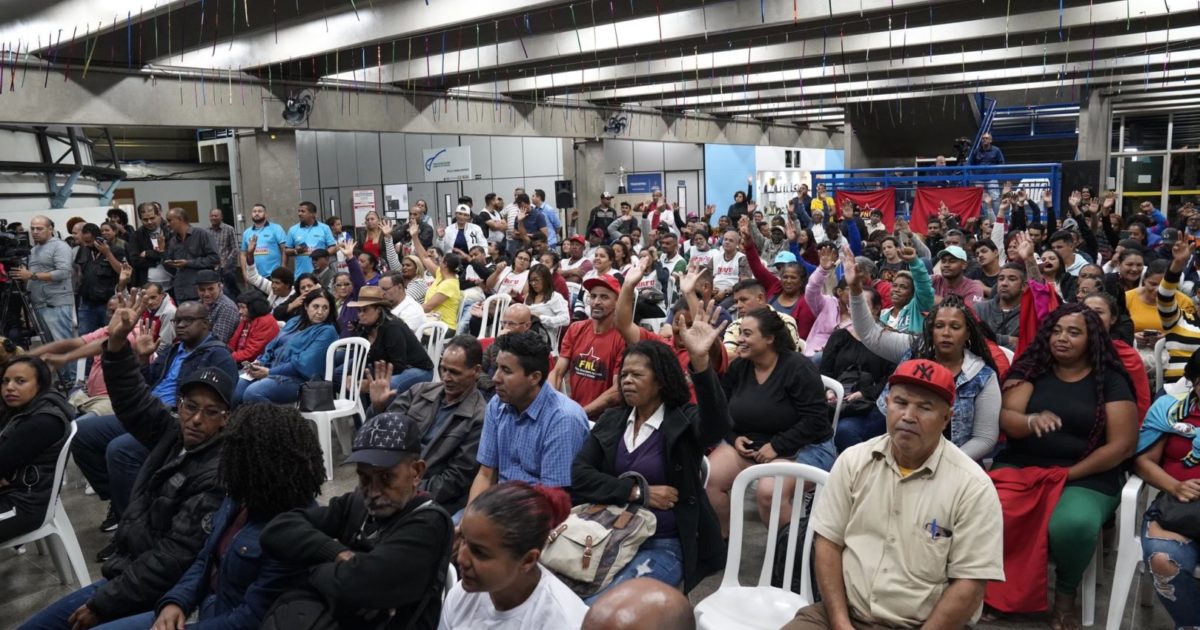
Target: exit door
{"type": "Point", "coordinates": [224, 193]}
{"type": "Point", "coordinates": [447, 198]}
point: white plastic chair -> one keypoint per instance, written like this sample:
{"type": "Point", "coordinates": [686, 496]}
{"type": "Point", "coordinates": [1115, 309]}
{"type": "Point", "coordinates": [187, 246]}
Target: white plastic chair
{"type": "Point", "coordinates": [835, 386]}
{"type": "Point", "coordinates": [1009, 354]}
{"type": "Point", "coordinates": [346, 402]}
{"type": "Point", "coordinates": [434, 333]}
{"type": "Point", "coordinates": [64, 546]}
{"type": "Point", "coordinates": [1160, 362]}
{"type": "Point", "coordinates": [764, 606]}
{"type": "Point", "coordinates": [704, 471]}
{"type": "Point", "coordinates": [493, 307]}
{"type": "Point", "coordinates": [451, 580]}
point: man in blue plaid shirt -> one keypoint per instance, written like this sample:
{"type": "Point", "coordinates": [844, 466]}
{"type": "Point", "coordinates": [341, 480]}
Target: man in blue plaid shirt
{"type": "Point", "coordinates": [530, 431]}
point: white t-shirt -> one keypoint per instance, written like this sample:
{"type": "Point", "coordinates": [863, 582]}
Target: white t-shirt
{"type": "Point", "coordinates": [550, 605]}
{"type": "Point", "coordinates": [725, 272]}
{"type": "Point", "coordinates": [512, 281]}
{"type": "Point", "coordinates": [410, 312]}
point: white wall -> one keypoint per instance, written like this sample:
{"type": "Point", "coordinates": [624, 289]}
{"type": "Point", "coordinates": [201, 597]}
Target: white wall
{"type": "Point", "coordinates": [202, 191]}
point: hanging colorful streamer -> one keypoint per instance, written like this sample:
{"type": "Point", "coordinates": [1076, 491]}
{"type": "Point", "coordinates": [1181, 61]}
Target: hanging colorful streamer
{"type": "Point", "coordinates": [521, 38]}
{"type": "Point", "coordinates": [575, 25]}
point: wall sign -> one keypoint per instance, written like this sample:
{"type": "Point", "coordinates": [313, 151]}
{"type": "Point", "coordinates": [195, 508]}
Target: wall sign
{"type": "Point", "coordinates": [643, 183]}
{"type": "Point", "coordinates": [448, 164]}
{"type": "Point", "coordinates": [364, 202]}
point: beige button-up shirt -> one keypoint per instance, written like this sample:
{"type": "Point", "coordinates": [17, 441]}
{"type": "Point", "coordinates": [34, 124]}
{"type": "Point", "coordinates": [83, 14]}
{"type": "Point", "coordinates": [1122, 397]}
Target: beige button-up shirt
{"type": "Point", "coordinates": [896, 562]}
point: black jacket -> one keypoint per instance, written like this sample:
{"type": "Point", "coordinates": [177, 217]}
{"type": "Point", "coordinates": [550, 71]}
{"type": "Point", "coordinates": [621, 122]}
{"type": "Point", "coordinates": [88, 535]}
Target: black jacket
{"type": "Point", "coordinates": [30, 443]}
{"type": "Point", "coordinates": [173, 500]}
{"type": "Point", "coordinates": [97, 278]}
{"type": "Point", "coordinates": [396, 344]}
{"type": "Point", "coordinates": [450, 454]}
{"type": "Point", "coordinates": [688, 432]}
{"type": "Point", "coordinates": [850, 363]}
{"type": "Point", "coordinates": [140, 241]}
{"type": "Point", "coordinates": [399, 568]}
{"type": "Point", "coordinates": [200, 252]}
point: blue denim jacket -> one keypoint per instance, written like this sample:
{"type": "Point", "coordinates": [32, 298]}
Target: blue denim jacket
{"type": "Point", "coordinates": [300, 353]}
{"type": "Point", "coordinates": [248, 582]}
{"type": "Point", "coordinates": [967, 388]}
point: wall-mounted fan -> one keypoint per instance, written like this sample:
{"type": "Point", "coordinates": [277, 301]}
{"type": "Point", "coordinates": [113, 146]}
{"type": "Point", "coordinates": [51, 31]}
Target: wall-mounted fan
{"type": "Point", "coordinates": [298, 107]}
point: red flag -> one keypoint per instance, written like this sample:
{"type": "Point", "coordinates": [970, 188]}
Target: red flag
{"type": "Point", "coordinates": [962, 202]}
{"type": "Point", "coordinates": [883, 200]}
{"type": "Point", "coordinates": [1031, 316]}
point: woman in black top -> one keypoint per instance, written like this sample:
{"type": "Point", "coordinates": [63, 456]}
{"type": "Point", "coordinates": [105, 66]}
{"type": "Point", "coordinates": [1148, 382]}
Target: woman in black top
{"type": "Point", "coordinates": [34, 422]}
{"type": "Point", "coordinates": [861, 372]}
{"type": "Point", "coordinates": [1068, 403]}
{"type": "Point", "coordinates": [658, 434]}
{"type": "Point", "coordinates": [777, 405]}
{"type": "Point", "coordinates": [391, 340]}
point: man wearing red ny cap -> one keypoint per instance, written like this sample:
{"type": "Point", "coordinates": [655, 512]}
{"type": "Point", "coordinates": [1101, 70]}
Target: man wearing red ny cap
{"type": "Point", "coordinates": [908, 528]}
{"type": "Point", "coordinates": [591, 350]}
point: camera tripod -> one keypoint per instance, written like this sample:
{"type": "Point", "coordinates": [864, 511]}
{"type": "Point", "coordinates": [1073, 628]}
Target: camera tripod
{"type": "Point", "coordinates": [19, 321]}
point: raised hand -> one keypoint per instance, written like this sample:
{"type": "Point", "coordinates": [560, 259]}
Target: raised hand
{"type": "Point", "coordinates": [1047, 198]}
{"type": "Point", "coordinates": [347, 247]}
{"type": "Point", "coordinates": [144, 343]}
{"type": "Point", "coordinates": [791, 232]}
{"type": "Point", "coordinates": [1025, 248]}
{"type": "Point", "coordinates": [639, 271]}
{"type": "Point", "coordinates": [1181, 253]}
{"type": "Point", "coordinates": [414, 230]}
{"type": "Point", "coordinates": [827, 257]}
{"type": "Point", "coordinates": [252, 245]}
{"type": "Point", "coordinates": [701, 334]}
{"type": "Point", "coordinates": [386, 226]}
{"type": "Point", "coordinates": [125, 275]}
{"type": "Point", "coordinates": [1074, 199]}
{"type": "Point", "coordinates": [907, 254]}
{"type": "Point", "coordinates": [379, 385]}
{"type": "Point", "coordinates": [687, 282]}
{"type": "Point", "coordinates": [850, 272]}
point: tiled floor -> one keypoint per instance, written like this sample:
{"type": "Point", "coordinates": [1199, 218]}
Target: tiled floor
{"type": "Point", "coordinates": [29, 582]}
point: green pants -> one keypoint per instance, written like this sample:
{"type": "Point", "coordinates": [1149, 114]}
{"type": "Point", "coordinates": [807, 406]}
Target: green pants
{"type": "Point", "coordinates": [1074, 531]}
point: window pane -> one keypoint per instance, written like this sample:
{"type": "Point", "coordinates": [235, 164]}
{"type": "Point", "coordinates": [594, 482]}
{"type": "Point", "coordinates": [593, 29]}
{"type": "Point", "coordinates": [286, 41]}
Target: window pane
{"type": "Point", "coordinates": [1186, 134]}
{"type": "Point", "coordinates": [1142, 181]}
{"type": "Point", "coordinates": [1146, 132]}
{"type": "Point", "coordinates": [1115, 140]}
{"type": "Point", "coordinates": [1183, 173]}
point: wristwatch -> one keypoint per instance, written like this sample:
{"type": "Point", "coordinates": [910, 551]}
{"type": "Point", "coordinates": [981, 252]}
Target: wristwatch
{"type": "Point", "coordinates": [637, 492]}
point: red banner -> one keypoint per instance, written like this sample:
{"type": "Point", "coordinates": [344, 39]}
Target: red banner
{"type": "Point", "coordinates": [883, 200]}
{"type": "Point", "coordinates": [962, 202]}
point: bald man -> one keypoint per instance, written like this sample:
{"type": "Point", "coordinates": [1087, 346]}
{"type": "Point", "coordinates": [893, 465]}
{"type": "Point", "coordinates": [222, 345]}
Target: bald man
{"type": "Point", "coordinates": [641, 603]}
{"type": "Point", "coordinates": [49, 281]}
{"type": "Point", "coordinates": [189, 251]}
{"type": "Point", "coordinates": [514, 319]}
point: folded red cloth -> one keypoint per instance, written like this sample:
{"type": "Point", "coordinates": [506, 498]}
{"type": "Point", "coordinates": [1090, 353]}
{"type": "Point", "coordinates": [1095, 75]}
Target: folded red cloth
{"type": "Point", "coordinates": [1027, 498]}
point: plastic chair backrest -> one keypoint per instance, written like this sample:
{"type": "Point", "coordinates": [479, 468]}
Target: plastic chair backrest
{"type": "Point", "coordinates": [451, 580]}
{"type": "Point", "coordinates": [354, 362]}
{"type": "Point", "coordinates": [835, 386]}
{"type": "Point", "coordinates": [60, 469]}
{"type": "Point", "coordinates": [779, 470]}
{"type": "Point", "coordinates": [437, 332]}
{"type": "Point", "coordinates": [1008, 353]}
{"type": "Point", "coordinates": [493, 308]}
{"type": "Point", "coordinates": [1160, 362]}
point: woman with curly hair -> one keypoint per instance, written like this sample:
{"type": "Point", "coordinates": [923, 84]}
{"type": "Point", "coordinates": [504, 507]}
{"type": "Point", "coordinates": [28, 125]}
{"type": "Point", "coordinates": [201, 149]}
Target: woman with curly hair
{"type": "Point", "coordinates": [951, 336]}
{"type": "Point", "coordinates": [656, 432]}
{"type": "Point", "coordinates": [1068, 403]}
{"type": "Point", "coordinates": [270, 463]}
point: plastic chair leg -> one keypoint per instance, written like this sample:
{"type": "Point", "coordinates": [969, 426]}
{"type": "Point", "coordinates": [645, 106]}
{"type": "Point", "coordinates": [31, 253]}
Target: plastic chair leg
{"type": "Point", "coordinates": [1089, 586]}
{"type": "Point", "coordinates": [70, 546]}
{"type": "Point", "coordinates": [325, 437]}
{"type": "Point", "coordinates": [58, 557]}
{"type": "Point", "coordinates": [1124, 573]}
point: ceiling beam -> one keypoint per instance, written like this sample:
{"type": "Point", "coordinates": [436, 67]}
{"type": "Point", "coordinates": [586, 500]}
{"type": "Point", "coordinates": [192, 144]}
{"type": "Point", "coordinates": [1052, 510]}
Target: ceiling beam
{"type": "Point", "coordinates": [913, 39]}
{"type": "Point", "coordinates": [373, 23]}
{"type": "Point", "coordinates": [59, 21]}
{"type": "Point", "coordinates": [717, 20]}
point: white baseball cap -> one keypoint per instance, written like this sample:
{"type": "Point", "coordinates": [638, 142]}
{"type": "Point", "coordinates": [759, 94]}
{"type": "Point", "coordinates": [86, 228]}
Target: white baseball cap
{"type": "Point", "coordinates": [462, 208]}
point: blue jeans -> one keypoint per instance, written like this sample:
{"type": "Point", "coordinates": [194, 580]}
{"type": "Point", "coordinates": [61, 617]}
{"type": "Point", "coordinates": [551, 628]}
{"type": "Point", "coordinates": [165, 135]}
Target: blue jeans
{"type": "Point", "coordinates": [820, 455]}
{"type": "Point", "coordinates": [54, 616]}
{"type": "Point", "coordinates": [1178, 593]}
{"type": "Point", "coordinates": [109, 457]}
{"type": "Point", "coordinates": [92, 315]}
{"type": "Point", "coordinates": [280, 390]}
{"type": "Point", "coordinates": [856, 429]}
{"type": "Point", "coordinates": [657, 558]}
{"type": "Point", "coordinates": [60, 325]}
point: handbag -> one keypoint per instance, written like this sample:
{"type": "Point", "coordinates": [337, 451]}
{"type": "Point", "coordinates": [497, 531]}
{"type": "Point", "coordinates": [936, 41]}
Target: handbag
{"type": "Point", "coordinates": [316, 396]}
{"type": "Point", "coordinates": [596, 541]}
{"type": "Point", "coordinates": [1176, 516]}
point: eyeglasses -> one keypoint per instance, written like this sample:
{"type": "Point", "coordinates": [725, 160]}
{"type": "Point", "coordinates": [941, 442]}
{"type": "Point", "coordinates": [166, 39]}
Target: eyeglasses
{"type": "Point", "coordinates": [189, 408]}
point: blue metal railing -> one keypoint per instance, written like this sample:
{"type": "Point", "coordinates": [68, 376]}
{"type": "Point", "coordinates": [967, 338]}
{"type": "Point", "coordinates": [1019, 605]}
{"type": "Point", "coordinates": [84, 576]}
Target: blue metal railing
{"type": "Point", "coordinates": [1031, 177]}
{"type": "Point", "coordinates": [987, 113]}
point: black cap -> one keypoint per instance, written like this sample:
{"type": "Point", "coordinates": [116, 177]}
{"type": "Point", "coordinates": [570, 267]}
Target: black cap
{"type": "Point", "coordinates": [384, 439]}
{"type": "Point", "coordinates": [218, 380]}
{"type": "Point", "coordinates": [207, 276]}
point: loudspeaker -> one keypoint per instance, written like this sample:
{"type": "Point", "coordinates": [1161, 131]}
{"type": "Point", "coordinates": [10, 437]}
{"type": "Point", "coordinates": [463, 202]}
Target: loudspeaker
{"type": "Point", "coordinates": [1076, 174]}
{"type": "Point", "coordinates": [564, 193]}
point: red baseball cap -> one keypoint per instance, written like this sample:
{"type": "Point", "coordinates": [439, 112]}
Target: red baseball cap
{"type": "Point", "coordinates": [578, 239]}
{"type": "Point", "coordinates": [926, 374]}
{"type": "Point", "coordinates": [605, 281]}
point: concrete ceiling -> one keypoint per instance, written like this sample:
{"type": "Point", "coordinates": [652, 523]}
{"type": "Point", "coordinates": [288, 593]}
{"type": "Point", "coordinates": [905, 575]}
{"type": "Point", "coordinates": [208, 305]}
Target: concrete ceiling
{"type": "Point", "coordinates": [797, 61]}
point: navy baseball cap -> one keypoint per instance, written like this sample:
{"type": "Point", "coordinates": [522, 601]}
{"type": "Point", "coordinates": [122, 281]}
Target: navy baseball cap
{"type": "Point", "coordinates": [217, 380]}
{"type": "Point", "coordinates": [207, 276]}
{"type": "Point", "coordinates": [384, 440]}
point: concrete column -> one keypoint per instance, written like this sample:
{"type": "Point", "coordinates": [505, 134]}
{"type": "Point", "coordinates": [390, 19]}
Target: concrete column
{"type": "Point", "coordinates": [855, 157]}
{"type": "Point", "coordinates": [589, 178]}
{"type": "Point", "coordinates": [269, 170]}
{"type": "Point", "coordinates": [1094, 118]}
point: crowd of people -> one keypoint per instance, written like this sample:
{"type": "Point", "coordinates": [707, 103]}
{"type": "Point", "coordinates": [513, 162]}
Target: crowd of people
{"type": "Point", "coordinates": [996, 359]}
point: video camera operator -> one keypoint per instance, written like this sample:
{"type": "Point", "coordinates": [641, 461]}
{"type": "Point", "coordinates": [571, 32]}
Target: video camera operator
{"type": "Point", "coordinates": [48, 279]}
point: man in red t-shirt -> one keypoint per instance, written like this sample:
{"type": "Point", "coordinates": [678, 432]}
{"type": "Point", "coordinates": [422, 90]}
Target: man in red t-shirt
{"type": "Point", "coordinates": [591, 351]}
